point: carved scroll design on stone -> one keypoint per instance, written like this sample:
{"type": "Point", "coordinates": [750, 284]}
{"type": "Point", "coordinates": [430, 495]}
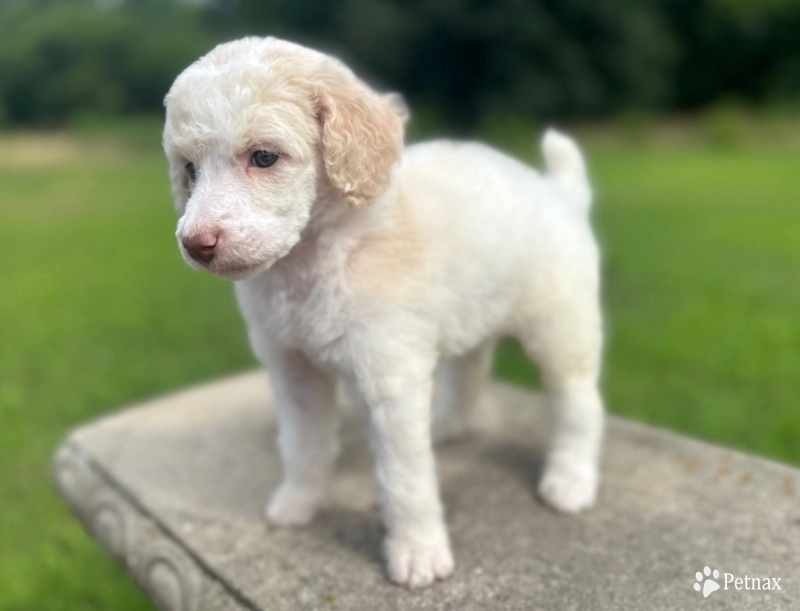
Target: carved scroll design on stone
{"type": "Point", "coordinates": [170, 576]}
{"type": "Point", "coordinates": [73, 477]}
{"type": "Point", "coordinates": [109, 522]}
{"type": "Point", "coordinates": [161, 567]}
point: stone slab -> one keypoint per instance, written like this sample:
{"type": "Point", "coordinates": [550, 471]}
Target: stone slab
{"type": "Point", "coordinates": [175, 489]}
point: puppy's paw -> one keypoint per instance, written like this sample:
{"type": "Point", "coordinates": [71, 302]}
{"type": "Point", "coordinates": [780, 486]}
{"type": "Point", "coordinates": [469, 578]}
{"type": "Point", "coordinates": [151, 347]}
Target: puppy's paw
{"type": "Point", "coordinates": [292, 505]}
{"type": "Point", "coordinates": [416, 563]}
{"type": "Point", "coordinates": [568, 486]}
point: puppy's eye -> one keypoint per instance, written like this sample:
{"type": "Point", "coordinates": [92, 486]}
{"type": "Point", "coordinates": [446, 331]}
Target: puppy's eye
{"type": "Point", "coordinates": [264, 159]}
{"type": "Point", "coordinates": [191, 170]}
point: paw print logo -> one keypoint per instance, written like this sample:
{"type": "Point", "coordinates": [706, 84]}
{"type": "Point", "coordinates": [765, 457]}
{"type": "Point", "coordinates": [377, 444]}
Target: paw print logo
{"type": "Point", "coordinates": [709, 585]}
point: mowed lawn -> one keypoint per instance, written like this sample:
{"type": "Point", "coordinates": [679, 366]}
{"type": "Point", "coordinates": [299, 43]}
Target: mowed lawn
{"type": "Point", "coordinates": [702, 288]}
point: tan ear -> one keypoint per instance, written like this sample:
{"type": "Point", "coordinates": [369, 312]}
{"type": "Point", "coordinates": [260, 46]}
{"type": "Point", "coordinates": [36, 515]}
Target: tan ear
{"type": "Point", "coordinates": [362, 137]}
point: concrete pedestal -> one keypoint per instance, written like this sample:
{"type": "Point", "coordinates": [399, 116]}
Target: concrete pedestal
{"type": "Point", "coordinates": [175, 489]}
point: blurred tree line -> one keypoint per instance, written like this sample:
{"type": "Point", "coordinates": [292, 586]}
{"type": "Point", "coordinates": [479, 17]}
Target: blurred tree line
{"type": "Point", "coordinates": [460, 60]}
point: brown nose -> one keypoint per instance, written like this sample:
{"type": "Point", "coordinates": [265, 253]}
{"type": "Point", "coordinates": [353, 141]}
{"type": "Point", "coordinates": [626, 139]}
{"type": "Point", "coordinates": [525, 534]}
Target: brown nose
{"type": "Point", "coordinates": [201, 246]}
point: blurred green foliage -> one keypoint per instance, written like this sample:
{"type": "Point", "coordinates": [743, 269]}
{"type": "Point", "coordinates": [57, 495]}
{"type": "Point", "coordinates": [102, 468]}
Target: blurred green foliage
{"type": "Point", "coordinates": [463, 59]}
{"type": "Point", "coordinates": [58, 59]}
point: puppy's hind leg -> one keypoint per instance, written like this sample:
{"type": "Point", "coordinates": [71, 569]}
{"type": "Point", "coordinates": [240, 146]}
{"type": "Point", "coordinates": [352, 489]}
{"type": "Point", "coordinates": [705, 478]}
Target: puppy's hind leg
{"type": "Point", "coordinates": [459, 382]}
{"type": "Point", "coordinates": [566, 346]}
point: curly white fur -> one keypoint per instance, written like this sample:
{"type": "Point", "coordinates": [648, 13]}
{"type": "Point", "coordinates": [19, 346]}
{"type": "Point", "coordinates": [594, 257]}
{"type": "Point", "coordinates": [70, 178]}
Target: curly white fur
{"type": "Point", "coordinates": [358, 260]}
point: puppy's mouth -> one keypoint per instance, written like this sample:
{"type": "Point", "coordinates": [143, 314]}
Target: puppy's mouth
{"type": "Point", "coordinates": [229, 265]}
{"type": "Point", "coordinates": [238, 272]}
{"type": "Point", "coordinates": [228, 270]}
{"type": "Point", "coordinates": [243, 269]}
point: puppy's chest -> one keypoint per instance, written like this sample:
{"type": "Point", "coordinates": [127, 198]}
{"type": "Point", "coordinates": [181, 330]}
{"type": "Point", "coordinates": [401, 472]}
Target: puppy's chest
{"type": "Point", "coordinates": [303, 304]}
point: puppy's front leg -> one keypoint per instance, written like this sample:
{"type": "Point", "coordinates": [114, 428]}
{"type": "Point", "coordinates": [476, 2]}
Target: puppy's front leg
{"type": "Point", "coordinates": [307, 436]}
{"type": "Point", "coordinates": [417, 546]}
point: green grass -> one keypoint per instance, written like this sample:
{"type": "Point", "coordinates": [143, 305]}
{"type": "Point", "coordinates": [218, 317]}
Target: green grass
{"type": "Point", "coordinates": [702, 262]}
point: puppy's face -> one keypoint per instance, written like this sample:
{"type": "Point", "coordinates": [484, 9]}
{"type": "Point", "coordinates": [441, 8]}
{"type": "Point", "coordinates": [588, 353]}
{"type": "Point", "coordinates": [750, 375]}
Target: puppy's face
{"type": "Point", "coordinates": [255, 131]}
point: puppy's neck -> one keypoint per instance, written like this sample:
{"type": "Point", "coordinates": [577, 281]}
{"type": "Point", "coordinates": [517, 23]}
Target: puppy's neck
{"type": "Point", "coordinates": [331, 214]}
{"type": "Point", "coordinates": [334, 231]}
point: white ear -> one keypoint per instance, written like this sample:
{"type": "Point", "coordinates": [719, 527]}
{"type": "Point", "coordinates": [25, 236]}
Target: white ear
{"type": "Point", "coordinates": [178, 177]}
{"type": "Point", "coordinates": [181, 190]}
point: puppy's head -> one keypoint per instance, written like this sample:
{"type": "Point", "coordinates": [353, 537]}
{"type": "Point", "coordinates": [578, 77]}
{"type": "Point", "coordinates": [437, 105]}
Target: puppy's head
{"type": "Point", "coordinates": [259, 131]}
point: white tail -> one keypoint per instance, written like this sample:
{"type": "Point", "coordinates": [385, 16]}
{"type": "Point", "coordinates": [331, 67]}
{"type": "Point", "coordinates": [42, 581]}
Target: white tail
{"type": "Point", "coordinates": [567, 169]}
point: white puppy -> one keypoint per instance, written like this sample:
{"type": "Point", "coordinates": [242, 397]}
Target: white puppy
{"type": "Point", "coordinates": [359, 260]}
